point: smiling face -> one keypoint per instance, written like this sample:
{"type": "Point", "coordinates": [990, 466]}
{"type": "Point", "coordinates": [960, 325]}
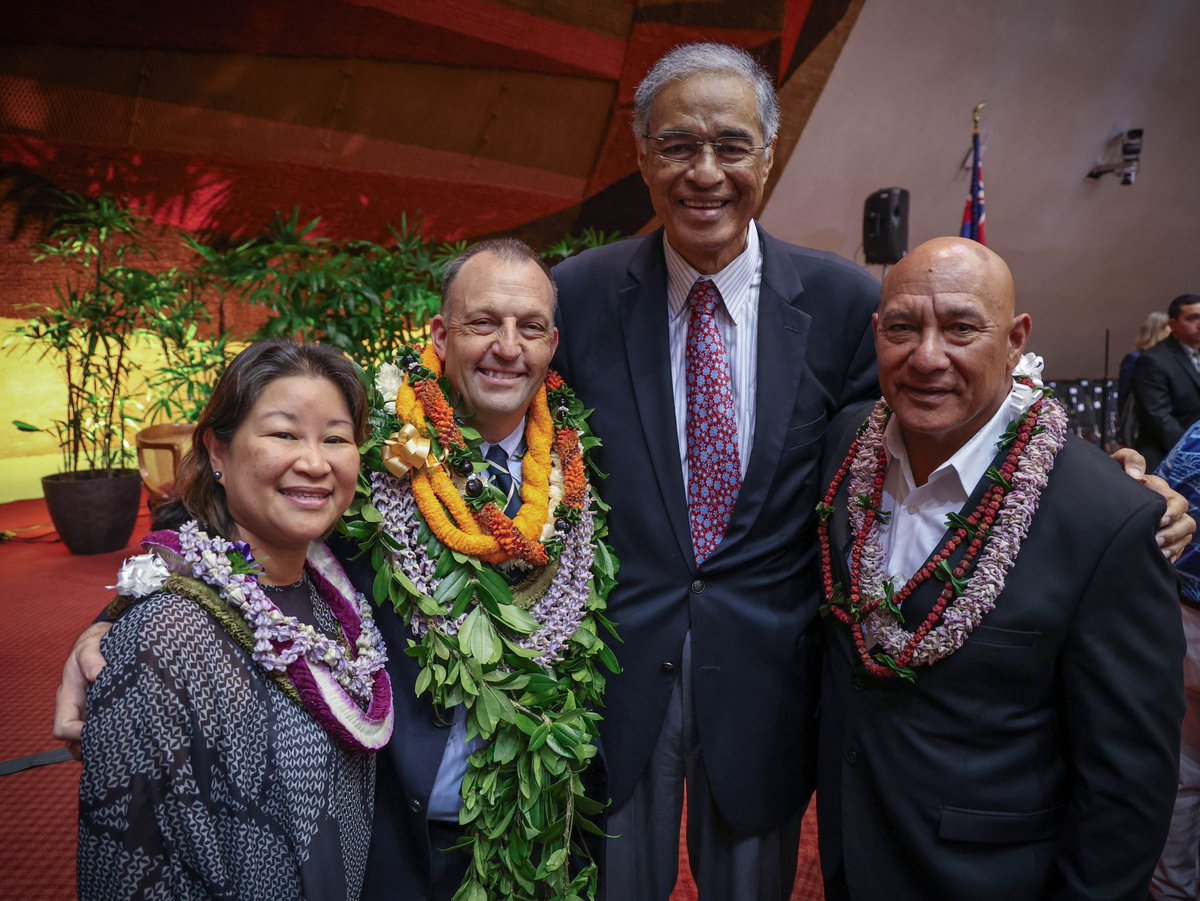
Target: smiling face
{"type": "Point", "coordinates": [947, 341]}
{"type": "Point", "coordinates": [290, 469]}
{"type": "Point", "coordinates": [704, 207]}
{"type": "Point", "coordinates": [495, 339]}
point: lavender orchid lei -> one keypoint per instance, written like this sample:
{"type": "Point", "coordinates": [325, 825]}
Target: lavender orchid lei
{"type": "Point", "coordinates": [997, 557]}
{"type": "Point", "coordinates": [348, 694]}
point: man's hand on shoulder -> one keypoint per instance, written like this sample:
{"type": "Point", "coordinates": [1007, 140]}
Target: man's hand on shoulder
{"type": "Point", "coordinates": [1176, 528]}
{"type": "Point", "coordinates": [81, 669]}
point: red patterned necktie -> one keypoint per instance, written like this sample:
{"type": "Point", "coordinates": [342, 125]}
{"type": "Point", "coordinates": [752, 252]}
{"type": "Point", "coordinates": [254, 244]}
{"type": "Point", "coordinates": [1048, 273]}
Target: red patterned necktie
{"type": "Point", "coordinates": [714, 469]}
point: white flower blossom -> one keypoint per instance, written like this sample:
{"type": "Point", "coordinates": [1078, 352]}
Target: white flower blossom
{"type": "Point", "coordinates": [1028, 367]}
{"type": "Point", "coordinates": [141, 576]}
{"type": "Point", "coordinates": [388, 380]}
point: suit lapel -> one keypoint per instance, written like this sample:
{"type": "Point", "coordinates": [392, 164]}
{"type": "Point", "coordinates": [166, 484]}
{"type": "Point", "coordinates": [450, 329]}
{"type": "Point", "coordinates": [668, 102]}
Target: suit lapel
{"type": "Point", "coordinates": [644, 310]}
{"type": "Point", "coordinates": [782, 338]}
{"type": "Point", "coordinates": [1185, 362]}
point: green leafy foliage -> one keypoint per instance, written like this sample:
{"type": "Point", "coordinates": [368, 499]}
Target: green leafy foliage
{"type": "Point", "coordinates": [525, 808]}
{"type": "Point", "coordinates": [102, 301]}
{"type": "Point", "coordinates": [365, 298]}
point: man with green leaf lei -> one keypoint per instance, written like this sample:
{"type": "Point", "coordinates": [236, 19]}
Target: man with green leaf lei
{"type": "Point", "coordinates": [481, 531]}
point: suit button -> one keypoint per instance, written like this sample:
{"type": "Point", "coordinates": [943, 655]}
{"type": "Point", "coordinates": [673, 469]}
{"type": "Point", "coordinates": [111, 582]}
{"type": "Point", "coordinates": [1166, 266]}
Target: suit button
{"type": "Point", "coordinates": [697, 586]}
{"type": "Point", "coordinates": [852, 757]}
{"type": "Point", "coordinates": [668, 666]}
{"type": "Point", "coordinates": [415, 805]}
{"type": "Point", "coordinates": [858, 682]}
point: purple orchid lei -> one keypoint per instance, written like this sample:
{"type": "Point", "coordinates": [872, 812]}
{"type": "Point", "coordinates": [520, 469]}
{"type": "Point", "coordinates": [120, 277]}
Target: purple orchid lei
{"type": "Point", "coordinates": [558, 611]}
{"type": "Point", "coordinates": [997, 557]}
{"type": "Point", "coordinates": [348, 694]}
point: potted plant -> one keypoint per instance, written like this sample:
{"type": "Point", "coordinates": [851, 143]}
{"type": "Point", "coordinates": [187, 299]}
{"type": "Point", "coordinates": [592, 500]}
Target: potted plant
{"type": "Point", "coordinates": [102, 302]}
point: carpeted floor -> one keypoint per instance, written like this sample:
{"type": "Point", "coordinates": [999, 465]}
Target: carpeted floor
{"type": "Point", "coordinates": [49, 596]}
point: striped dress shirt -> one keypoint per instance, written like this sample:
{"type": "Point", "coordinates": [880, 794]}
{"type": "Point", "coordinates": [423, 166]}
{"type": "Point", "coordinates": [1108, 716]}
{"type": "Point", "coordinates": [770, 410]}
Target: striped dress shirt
{"type": "Point", "coordinates": [737, 321]}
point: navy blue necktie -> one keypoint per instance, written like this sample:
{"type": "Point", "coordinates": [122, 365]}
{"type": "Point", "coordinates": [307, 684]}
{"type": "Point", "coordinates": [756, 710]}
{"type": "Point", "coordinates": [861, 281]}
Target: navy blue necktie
{"type": "Point", "coordinates": [497, 460]}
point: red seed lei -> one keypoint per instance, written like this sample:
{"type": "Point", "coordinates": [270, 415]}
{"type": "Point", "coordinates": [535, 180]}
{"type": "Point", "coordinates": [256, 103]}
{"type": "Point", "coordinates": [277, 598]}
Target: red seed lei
{"type": "Point", "coordinates": [993, 532]}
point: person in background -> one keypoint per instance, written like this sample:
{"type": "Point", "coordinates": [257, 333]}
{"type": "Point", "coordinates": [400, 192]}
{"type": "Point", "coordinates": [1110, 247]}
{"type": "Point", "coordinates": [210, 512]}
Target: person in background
{"type": "Point", "coordinates": [229, 744]}
{"type": "Point", "coordinates": [1176, 876]}
{"type": "Point", "coordinates": [1166, 382]}
{"type": "Point", "coordinates": [1154, 328]}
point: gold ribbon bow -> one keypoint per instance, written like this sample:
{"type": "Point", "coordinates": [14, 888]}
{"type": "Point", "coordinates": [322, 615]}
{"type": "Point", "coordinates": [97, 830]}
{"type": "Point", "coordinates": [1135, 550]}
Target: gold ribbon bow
{"type": "Point", "coordinates": [405, 450]}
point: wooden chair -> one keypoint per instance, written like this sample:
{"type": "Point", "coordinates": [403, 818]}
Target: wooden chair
{"type": "Point", "coordinates": [159, 450]}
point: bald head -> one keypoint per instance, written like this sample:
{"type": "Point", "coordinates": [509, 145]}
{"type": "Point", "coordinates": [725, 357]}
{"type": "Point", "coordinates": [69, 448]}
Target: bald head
{"type": "Point", "coordinates": [947, 338]}
{"type": "Point", "coordinates": [954, 264]}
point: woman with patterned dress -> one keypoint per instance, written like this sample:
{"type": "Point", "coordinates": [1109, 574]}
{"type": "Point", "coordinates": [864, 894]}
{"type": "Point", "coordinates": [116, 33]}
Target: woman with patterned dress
{"type": "Point", "coordinates": [228, 750]}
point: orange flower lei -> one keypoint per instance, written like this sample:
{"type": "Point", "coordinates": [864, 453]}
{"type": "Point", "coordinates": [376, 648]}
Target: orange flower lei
{"type": "Point", "coordinates": [490, 535]}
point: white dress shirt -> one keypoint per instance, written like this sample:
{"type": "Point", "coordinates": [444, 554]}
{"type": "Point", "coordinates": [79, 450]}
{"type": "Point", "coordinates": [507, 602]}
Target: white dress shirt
{"type": "Point", "coordinates": [737, 321]}
{"type": "Point", "coordinates": [918, 520]}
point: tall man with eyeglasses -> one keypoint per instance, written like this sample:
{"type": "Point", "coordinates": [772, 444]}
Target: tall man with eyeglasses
{"type": "Point", "coordinates": [714, 356]}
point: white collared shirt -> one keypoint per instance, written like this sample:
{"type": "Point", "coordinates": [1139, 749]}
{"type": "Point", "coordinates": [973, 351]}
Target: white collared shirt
{"type": "Point", "coordinates": [737, 321]}
{"type": "Point", "coordinates": [919, 513]}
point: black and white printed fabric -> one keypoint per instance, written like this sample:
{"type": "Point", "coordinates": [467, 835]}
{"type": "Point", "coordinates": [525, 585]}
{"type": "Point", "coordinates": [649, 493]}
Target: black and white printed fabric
{"type": "Point", "coordinates": [201, 779]}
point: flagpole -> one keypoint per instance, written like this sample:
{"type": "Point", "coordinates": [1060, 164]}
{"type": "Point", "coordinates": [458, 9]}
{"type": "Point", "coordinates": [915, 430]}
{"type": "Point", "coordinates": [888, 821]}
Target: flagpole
{"type": "Point", "coordinates": [973, 215]}
{"type": "Point", "coordinates": [975, 168]}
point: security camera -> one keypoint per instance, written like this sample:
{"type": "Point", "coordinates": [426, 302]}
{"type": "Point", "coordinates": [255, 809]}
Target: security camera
{"type": "Point", "coordinates": [1131, 144]}
{"type": "Point", "coordinates": [1121, 157]}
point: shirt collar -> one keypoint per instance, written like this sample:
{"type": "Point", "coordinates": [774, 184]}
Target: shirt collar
{"type": "Point", "coordinates": [511, 443]}
{"type": "Point", "coordinates": [969, 462]}
{"type": "Point", "coordinates": [681, 276]}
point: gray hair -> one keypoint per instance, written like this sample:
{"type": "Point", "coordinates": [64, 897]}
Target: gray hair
{"type": "Point", "coordinates": [508, 250]}
{"type": "Point", "coordinates": [702, 59]}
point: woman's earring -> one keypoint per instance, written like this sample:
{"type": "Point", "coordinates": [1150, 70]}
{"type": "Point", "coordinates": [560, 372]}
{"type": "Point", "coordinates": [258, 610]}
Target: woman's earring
{"type": "Point", "coordinates": [217, 474]}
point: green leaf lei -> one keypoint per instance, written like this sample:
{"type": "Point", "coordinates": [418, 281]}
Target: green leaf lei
{"type": "Point", "coordinates": [524, 806]}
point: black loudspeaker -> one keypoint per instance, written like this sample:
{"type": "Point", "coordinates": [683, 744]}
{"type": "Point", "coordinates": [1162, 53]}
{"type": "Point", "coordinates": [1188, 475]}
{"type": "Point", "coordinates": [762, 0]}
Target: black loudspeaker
{"type": "Point", "coordinates": [885, 225]}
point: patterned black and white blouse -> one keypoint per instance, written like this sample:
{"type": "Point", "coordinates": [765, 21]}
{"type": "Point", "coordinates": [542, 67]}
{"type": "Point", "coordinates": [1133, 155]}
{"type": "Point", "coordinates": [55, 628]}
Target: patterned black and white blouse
{"type": "Point", "coordinates": [201, 779]}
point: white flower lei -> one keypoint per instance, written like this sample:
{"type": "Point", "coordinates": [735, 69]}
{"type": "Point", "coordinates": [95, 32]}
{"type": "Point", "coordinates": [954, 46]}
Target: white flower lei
{"type": "Point", "coordinates": [999, 552]}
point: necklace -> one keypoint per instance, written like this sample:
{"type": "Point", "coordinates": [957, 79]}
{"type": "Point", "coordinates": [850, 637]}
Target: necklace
{"type": "Point", "coordinates": [346, 691]}
{"type": "Point", "coordinates": [280, 589]}
{"type": "Point", "coordinates": [992, 532]}
{"type": "Point", "coordinates": [505, 612]}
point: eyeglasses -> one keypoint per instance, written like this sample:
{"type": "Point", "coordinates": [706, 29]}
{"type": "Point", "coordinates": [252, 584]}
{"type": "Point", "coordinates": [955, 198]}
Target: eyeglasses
{"type": "Point", "coordinates": [681, 147]}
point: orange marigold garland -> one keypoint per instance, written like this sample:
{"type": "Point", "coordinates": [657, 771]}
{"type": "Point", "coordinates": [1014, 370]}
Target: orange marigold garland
{"type": "Point", "coordinates": [566, 443]}
{"type": "Point", "coordinates": [506, 614]}
{"type": "Point", "coordinates": [494, 538]}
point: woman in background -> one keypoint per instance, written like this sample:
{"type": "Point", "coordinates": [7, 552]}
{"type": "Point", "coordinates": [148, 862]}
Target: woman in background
{"type": "Point", "coordinates": [1153, 330]}
{"type": "Point", "coordinates": [228, 746]}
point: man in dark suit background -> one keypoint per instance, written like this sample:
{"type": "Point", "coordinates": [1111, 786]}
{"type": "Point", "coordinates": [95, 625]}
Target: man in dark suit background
{"type": "Point", "coordinates": [1166, 382]}
{"type": "Point", "coordinates": [1037, 758]}
{"type": "Point", "coordinates": [720, 646]}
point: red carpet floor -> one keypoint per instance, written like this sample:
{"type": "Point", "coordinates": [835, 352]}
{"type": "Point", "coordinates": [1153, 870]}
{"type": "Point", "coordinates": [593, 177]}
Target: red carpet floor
{"type": "Point", "coordinates": [49, 596]}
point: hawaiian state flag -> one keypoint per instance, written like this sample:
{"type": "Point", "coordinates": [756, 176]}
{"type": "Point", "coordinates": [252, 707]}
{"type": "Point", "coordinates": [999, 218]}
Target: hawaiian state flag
{"type": "Point", "coordinates": [973, 213]}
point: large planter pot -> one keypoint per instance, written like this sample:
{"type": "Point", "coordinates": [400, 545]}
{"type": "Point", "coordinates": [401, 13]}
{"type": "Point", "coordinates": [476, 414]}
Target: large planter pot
{"type": "Point", "coordinates": [94, 511]}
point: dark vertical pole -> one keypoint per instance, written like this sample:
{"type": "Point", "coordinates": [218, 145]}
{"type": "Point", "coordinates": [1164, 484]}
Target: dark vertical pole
{"type": "Point", "coordinates": [1104, 398]}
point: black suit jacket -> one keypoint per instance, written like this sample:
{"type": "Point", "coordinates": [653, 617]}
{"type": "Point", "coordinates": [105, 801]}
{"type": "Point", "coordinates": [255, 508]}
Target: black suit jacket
{"type": "Point", "coordinates": [1038, 761]}
{"type": "Point", "coordinates": [399, 861]}
{"type": "Point", "coordinates": [1166, 389]}
{"type": "Point", "coordinates": [752, 605]}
